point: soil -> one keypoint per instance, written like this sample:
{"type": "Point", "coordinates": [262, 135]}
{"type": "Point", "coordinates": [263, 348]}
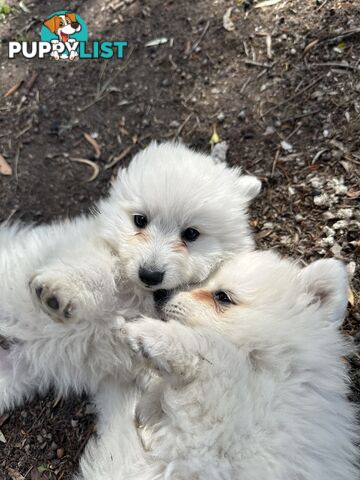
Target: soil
{"type": "Point", "coordinates": [290, 112]}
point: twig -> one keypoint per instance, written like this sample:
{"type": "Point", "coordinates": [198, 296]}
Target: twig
{"type": "Point", "coordinates": [117, 159]}
{"type": "Point", "coordinates": [300, 92]}
{"type": "Point", "coordinates": [16, 163]}
{"type": "Point", "coordinates": [318, 155]}
{"type": "Point", "coordinates": [30, 83]}
{"type": "Point", "coordinates": [275, 162]}
{"type": "Point", "coordinates": [257, 64]}
{"type": "Point", "coordinates": [200, 39]}
{"type": "Point", "coordinates": [297, 117]}
{"type": "Point", "coordinates": [331, 38]}
{"type": "Point", "coordinates": [181, 128]}
{"type": "Point", "coordinates": [96, 168]}
{"type": "Point", "coordinates": [340, 36]}
{"type": "Point", "coordinates": [336, 65]}
{"type": "Point", "coordinates": [246, 83]}
{"type": "Point", "coordinates": [322, 5]}
{"type": "Point", "coordinates": [83, 443]}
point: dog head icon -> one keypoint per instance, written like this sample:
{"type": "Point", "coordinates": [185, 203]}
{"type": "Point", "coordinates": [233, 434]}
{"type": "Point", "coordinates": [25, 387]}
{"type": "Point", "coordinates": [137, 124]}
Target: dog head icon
{"type": "Point", "coordinates": [63, 25]}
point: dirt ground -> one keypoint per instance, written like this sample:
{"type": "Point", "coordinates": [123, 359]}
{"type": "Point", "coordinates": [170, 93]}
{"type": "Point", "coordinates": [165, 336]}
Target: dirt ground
{"type": "Point", "coordinates": [281, 84]}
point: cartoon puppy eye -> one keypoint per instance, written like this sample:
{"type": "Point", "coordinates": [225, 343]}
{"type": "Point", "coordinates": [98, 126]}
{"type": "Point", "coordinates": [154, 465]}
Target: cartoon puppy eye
{"type": "Point", "coordinates": [223, 298]}
{"type": "Point", "coordinates": [190, 234]}
{"type": "Point", "coordinates": [140, 221]}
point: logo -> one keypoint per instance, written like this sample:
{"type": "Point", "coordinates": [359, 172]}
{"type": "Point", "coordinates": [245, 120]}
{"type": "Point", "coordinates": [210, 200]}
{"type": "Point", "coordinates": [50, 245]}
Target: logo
{"type": "Point", "coordinates": [64, 36]}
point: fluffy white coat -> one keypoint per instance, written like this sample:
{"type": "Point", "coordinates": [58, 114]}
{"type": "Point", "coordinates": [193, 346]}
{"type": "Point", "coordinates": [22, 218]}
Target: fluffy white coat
{"type": "Point", "coordinates": [254, 387]}
{"type": "Point", "coordinates": [84, 274]}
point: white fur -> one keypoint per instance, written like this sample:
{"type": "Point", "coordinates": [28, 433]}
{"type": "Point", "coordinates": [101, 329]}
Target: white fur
{"type": "Point", "coordinates": [90, 266]}
{"type": "Point", "coordinates": [255, 390]}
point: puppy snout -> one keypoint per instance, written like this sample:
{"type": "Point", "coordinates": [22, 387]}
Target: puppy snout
{"type": "Point", "coordinates": [151, 277]}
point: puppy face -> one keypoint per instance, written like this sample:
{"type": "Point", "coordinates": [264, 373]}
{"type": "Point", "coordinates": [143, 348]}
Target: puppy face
{"type": "Point", "coordinates": [174, 214]}
{"type": "Point", "coordinates": [258, 295]}
{"type": "Point", "coordinates": [63, 25]}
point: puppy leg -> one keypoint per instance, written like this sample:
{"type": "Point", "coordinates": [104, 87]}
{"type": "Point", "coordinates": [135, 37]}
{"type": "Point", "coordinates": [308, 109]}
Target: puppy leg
{"type": "Point", "coordinates": [16, 382]}
{"type": "Point", "coordinates": [75, 288]}
{"type": "Point", "coordinates": [169, 347]}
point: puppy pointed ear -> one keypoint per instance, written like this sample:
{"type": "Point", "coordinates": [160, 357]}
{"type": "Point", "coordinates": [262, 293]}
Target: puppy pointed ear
{"type": "Point", "coordinates": [249, 187]}
{"type": "Point", "coordinates": [51, 24]}
{"type": "Point", "coordinates": [327, 280]}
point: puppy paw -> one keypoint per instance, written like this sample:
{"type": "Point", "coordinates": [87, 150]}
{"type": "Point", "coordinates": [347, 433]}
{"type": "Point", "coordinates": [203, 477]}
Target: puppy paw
{"type": "Point", "coordinates": [144, 337]}
{"type": "Point", "coordinates": [54, 296]}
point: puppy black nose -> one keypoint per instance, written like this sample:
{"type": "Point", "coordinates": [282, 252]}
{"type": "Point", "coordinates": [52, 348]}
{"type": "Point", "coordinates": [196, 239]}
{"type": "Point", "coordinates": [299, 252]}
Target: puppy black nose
{"type": "Point", "coordinates": [150, 277]}
{"type": "Point", "coordinates": [75, 24]}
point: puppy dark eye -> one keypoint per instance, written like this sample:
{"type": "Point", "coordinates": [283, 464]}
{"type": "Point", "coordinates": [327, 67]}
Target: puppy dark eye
{"type": "Point", "coordinates": [140, 221]}
{"type": "Point", "coordinates": [222, 297]}
{"type": "Point", "coordinates": [190, 234]}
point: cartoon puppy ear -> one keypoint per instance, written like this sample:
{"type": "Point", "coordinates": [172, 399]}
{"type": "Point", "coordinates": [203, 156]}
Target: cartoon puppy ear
{"type": "Point", "coordinates": [249, 187]}
{"type": "Point", "coordinates": [327, 280]}
{"type": "Point", "coordinates": [71, 16]}
{"type": "Point", "coordinates": [50, 23]}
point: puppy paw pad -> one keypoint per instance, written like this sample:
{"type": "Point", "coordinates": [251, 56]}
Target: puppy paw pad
{"type": "Point", "coordinates": [52, 302]}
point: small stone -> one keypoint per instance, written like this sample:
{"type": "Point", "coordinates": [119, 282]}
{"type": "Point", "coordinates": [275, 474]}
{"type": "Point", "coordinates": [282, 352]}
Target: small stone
{"type": "Point", "coordinates": [268, 225]}
{"type": "Point", "coordinates": [221, 117]}
{"type": "Point", "coordinates": [329, 215]}
{"type": "Point", "coordinates": [287, 147]}
{"type": "Point", "coordinates": [316, 182]}
{"type": "Point", "coordinates": [174, 124]}
{"type": "Point", "coordinates": [242, 115]}
{"type": "Point", "coordinates": [327, 242]}
{"type": "Point", "coordinates": [74, 423]}
{"type": "Point", "coordinates": [344, 213]}
{"type": "Point", "coordinates": [329, 232]}
{"type": "Point", "coordinates": [269, 131]}
{"type": "Point", "coordinates": [322, 199]}
{"type": "Point", "coordinates": [299, 217]}
{"type": "Point", "coordinates": [340, 224]}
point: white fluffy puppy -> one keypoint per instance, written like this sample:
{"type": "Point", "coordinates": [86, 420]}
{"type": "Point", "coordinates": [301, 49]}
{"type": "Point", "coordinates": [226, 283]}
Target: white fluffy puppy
{"type": "Point", "coordinates": [254, 382]}
{"type": "Point", "coordinates": [170, 218]}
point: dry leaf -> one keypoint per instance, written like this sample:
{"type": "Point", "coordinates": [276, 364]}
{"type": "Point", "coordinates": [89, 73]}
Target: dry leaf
{"type": "Point", "coordinates": [2, 437]}
{"type": "Point", "coordinates": [310, 45]}
{"type": "Point", "coordinates": [156, 42]}
{"type": "Point", "coordinates": [266, 3]}
{"type": "Point", "coordinates": [91, 164]}
{"type": "Point", "coordinates": [14, 474]}
{"type": "Point", "coordinates": [94, 144]}
{"type": "Point", "coordinates": [13, 89]}
{"type": "Point", "coordinates": [5, 168]}
{"type": "Point", "coordinates": [228, 24]}
{"type": "Point", "coordinates": [214, 136]}
{"type": "Point", "coordinates": [351, 297]}
{"type": "Point", "coordinates": [263, 234]}
{"type": "Point", "coordinates": [352, 194]}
